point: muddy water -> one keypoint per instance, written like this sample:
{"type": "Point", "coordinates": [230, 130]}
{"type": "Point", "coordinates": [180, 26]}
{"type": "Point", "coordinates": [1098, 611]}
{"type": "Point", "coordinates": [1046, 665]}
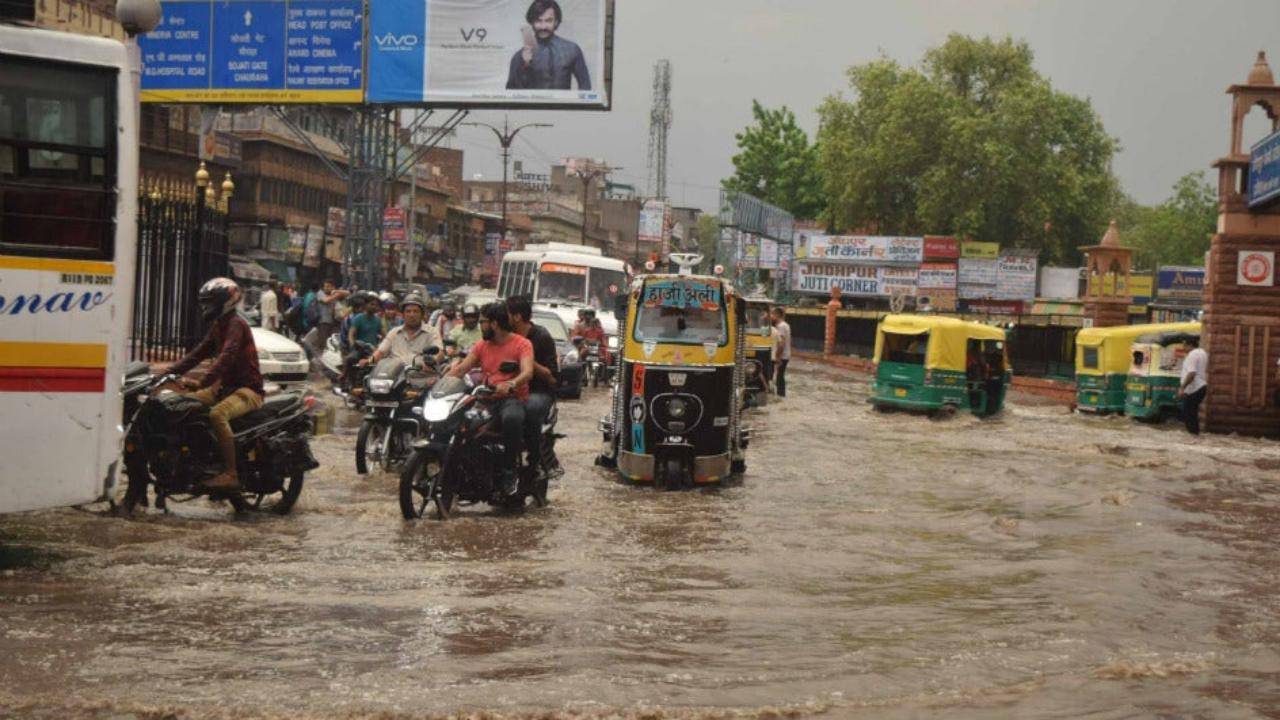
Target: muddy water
{"type": "Point", "coordinates": [1034, 566]}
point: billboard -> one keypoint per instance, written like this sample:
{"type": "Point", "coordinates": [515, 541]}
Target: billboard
{"type": "Point", "coordinates": [983, 250]}
{"type": "Point", "coordinates": [1264, 171]}
{"type": "Point", "coordinates": [655, 222]}
{"type": "Point", "coordinates": [937, 276]}
{"type": "Point", "coordinates": [263, 51]}
{"type": "Point", "coordinates": [757, 252]}
{"type": "Point", "coordinates": [502, 53]}
{"type": "Point", "coordinates": [1179, 282]}
{"type": "Point", "coordinates": [861, 280]}
{"type": "Point", "coordinates": [394, 225]}
{"type": "Point", "coordinates": [863, 248]}
{"type": "Point", "coordinates": [941, 248]}
{"type": "Point", "coordinates": [1015, 277]}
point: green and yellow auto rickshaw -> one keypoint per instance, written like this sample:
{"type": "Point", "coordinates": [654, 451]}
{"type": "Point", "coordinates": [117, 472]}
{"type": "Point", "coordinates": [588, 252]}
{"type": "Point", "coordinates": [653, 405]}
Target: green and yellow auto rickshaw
{"type": "Point", "coordinates": [758, 334]}
{"type": "Point", "coordinates": [1102, 363]}
{"type": "Point", "coordinates": [1155, 373]}
{"type": "Point", "coordinates": [932, 363]}
{"type": "Point", "coordinates": [677, 406]}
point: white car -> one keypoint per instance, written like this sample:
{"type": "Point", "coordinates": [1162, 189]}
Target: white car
{"type": "Point", "coordinates": [280, 360]}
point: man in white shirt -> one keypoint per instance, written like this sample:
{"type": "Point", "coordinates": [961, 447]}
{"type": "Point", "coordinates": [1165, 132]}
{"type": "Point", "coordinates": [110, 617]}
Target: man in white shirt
{"type": "Point", "coordinates": [781, 350]}
{"type": "Point", "coordinates": [269, 308]}
{"type": "Point", "coordinates": [1195, 371]}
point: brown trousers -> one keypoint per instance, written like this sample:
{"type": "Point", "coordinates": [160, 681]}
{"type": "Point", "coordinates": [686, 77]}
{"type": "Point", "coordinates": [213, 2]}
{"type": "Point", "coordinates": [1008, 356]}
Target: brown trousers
{"type": "Point", "coordinates": [241, 402]}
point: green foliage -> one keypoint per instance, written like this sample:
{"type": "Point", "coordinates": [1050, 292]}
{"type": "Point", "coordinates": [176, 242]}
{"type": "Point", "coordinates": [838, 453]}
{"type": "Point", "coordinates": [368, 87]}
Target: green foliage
{"type": "Point", "coordinates": [777, 164]}
{"type": "Point", "coordinates": [1175, 232]}
{"type": "Point", "coordinates": [973, 143]}
{"type": "Point", "coordinates": [707, 233]}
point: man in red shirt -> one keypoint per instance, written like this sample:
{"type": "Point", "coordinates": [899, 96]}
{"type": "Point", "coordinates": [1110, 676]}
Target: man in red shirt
{"type": "Point", "coordinates": [498, 345]}
{"type": "Point", "coordinates": [233, 385]}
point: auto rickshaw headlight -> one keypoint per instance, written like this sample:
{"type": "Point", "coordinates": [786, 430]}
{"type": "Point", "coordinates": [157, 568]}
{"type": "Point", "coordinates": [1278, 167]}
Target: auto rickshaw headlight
{"type": "Point", "coordinates": [677, 408]}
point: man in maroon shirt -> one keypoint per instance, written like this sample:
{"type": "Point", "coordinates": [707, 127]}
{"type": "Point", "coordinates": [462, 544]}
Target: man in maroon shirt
{"type": "Point", "coordinates": [233, 385]}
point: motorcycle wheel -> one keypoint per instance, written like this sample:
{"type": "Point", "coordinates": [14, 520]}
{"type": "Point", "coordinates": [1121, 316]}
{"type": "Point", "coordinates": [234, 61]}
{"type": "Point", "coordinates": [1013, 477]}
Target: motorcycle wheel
{"type": "Point", "coordinates": [288, 496]}
{"type": "Point", "coordinates": [369, 442]}
{"type": "Point", "coordinates": [394, 450]}
{"type": "Point", "coordinates": [418, 488]}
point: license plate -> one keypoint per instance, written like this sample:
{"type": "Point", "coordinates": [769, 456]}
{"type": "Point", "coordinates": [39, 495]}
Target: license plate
{"type": "Point", "coordinates": [900, 392]}
{"type": "Point", "coordinates": [382, 403]}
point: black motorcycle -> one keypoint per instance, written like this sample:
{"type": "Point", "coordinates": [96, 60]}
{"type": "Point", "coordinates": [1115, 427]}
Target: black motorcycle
{"type": "Point", "coordinates": [595, 370]}
{"type": "Point", "coordinates": [391, 392]}
{"type": "Point", "coordinates": [348, 382]}
{"type": "Point", "coordinates": [169, 445]}
{"type": "Point", "coordinates": [460, 456]}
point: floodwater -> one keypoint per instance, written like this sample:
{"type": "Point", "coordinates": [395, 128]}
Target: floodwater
{"type": "Point", "coordinates": [1038, 565]}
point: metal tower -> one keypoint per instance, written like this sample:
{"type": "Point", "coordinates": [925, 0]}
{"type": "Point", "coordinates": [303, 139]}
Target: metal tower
{"type": "Point", "coordinates": [659, 126]}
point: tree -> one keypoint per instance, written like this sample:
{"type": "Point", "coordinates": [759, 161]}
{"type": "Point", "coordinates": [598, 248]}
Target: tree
{"type": "Point", "coordinates": [708, 233]}
{"type": "Point", "coordinates": [777, 164]}
{"type": "Point", "coordinates": [973, 143]}
{"type": "Point", "coordinates": [1175, 232]}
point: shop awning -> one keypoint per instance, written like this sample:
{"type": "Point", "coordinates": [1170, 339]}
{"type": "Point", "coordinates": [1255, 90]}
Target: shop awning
{"type": "Point", "coordinates": [246, 270]}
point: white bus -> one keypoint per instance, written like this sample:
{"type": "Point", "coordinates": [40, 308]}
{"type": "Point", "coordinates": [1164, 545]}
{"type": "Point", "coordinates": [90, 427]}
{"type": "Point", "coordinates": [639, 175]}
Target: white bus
{"type": "Point", "coordinates": [68, 226]}
{"type": "Point", "coordinates": [563, 278]}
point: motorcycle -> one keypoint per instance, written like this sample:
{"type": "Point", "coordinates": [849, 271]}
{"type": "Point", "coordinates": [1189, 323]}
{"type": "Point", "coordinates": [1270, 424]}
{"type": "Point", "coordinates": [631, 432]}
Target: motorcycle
{"type": "Point", "coordinates": [460, 456]}
{"type": "Point", "coordinates": [595, 369]}
{"type": "Point", "coordinates": [170, 446]}
{"type": "Point", "coordinates": [389, 428]}
{"type": "Point", "coordinates": [351, 385]}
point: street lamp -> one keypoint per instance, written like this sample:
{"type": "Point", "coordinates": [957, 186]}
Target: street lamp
{"type": "Point", "coordinates": [589, 176]}
{"type": "Point", "coordinates": [138, 17]}
{"type": "Point", "coordinates": [505, 137]}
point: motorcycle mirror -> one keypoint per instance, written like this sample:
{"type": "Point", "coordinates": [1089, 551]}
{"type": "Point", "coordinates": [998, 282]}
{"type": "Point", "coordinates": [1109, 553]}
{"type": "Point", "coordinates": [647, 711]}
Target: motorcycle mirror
{"type": "Point", "coordinates": [508, 367]}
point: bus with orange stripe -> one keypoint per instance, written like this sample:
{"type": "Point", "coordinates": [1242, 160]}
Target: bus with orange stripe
{"type": "Point", "coordinates": [68, 226]}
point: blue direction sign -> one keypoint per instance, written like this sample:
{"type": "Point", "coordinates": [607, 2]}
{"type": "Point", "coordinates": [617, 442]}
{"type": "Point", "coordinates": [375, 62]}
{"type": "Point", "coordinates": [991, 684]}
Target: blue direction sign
{"type": "Point", "coordinates": [1264, 171]}
{"type": "Point", "coordinates": [255, 51]}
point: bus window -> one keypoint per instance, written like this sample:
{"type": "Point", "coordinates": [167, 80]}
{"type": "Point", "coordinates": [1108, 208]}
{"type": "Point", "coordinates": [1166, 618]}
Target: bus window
{"type": "Point", "coordinates": [562, 283]}
{"type": "Point", "coordinates": [57, 159]}
{"type": "Point", "coordinates": [526, 279]}
{"type": "Point", "coordinates": [603, 285]}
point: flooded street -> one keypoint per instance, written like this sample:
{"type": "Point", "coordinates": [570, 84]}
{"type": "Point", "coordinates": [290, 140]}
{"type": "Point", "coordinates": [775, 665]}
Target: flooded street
{"type": "Point", "coordinates": [1038, 565]}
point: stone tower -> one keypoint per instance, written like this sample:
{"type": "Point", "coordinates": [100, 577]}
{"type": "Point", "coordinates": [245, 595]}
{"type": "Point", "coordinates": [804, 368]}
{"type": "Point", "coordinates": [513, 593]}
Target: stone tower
{"type": "Point", "coordinates": [1241, 311]}
{"type": "Point", "coordinates": [1108, 264]}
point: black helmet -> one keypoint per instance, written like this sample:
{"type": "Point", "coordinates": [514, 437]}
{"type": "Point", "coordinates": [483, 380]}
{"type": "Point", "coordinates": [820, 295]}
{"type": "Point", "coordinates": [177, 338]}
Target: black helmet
{"type": "Point", "coordinates": [218, 297]}
{"type": "Point", "coordinates": [588, 313]}
{"type": "Point", "coordinates": [413, 299]}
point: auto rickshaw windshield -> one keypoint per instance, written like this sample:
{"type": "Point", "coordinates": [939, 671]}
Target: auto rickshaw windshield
{"type": "Point", "coordinates": [689, 325]}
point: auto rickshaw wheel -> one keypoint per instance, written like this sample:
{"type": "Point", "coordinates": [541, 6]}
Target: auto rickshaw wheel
{"type": "Point", "coordinates": [945, 412]}
{"type": "Point", "coordinates": [738, 467]}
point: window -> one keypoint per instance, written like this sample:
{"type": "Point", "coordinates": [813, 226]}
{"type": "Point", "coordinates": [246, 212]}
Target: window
{"type": "Point", "coordinates": [603, 285]}
{"type": "Point", "coordinates": [562, 283]}
{"type": "Point", "coordinates": [57, 158]}
{"type": "Point", "coordinates": [905, 349]}
{"type": "Point", "coordinates": [1090, 360]}
{"type": "Point", "coordinates": [684, 311]}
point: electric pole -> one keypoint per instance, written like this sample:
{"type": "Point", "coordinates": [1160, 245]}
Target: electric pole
{"type": "Point", "coordinates": [506, 136]}
{"type": "Point", "coordinates": [588, 175]}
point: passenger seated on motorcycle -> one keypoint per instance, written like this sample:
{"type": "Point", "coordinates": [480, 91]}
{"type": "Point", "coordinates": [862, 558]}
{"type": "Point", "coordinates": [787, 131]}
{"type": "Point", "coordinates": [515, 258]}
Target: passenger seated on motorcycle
{"type": "Point", "coordinates": [355, 306]}
{"type": "Point", "coordinates": [468, 333]}
{"type": "Point", "coordinates": [580, 326]}
{"type": "Point", "coordinates": [409, 341]}
{"type": "Point", "coordinates": [546, 368]}
{"type": "Point", "coordinates": [232, 387]}
{"type": "Point", "coordinates": [500, 344]}
{"type": "Point", "coordinates": [593, 331]}
{"type": "Point", "coordinates": [363, 326]}
{"type": "Point", "coordinates": [390, 312]}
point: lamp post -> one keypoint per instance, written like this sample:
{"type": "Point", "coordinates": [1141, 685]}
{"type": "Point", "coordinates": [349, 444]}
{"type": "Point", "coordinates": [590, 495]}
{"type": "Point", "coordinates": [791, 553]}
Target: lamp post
{"type": "Point", "coordinates": [506, 136]}
{"type": "Point", "coordinates": [589, 175]}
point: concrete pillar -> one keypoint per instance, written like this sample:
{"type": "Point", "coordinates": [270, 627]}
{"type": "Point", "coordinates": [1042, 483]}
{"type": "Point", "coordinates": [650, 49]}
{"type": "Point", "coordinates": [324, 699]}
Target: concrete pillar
{"type": "Point", "coordinates": [829, 335]}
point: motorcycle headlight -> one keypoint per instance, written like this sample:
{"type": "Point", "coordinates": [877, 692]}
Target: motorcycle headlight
{"type": "Point", "coordinates": [612, 342]}
{"type": "Point", "coordinates": [380, 385]}
{"type": "Point", "coordinates": [677, 408]}
{"type": "Point", "coordinates": [435, 411]}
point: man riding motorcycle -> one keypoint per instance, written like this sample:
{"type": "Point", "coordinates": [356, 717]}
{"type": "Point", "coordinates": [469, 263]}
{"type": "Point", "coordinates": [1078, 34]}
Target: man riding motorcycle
{"type": "Point", "coordinates": [546, 367]}
{"type": "Point", "coordinates": [468, 333]}
{"type": "Point", "coordinates": [363, 325]}
{"type": "Point", "coordinates": [501, 344]}
{"type": "Point", "coordinates": [410, 340]}
{"type": "Point", "coordinates": [232, 387]}
{"type": "Point", "coordinates": [593, 331]}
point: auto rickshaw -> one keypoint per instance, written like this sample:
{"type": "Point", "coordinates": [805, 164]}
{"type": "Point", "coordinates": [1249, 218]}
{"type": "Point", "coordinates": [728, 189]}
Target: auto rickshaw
{"type": "Point", "coordinates": [1102, 363]}
{"type": "Point", "coordinates": [677, 407]}
{"type": "Point", "coordinates": [1151, 391]}
{"type": "Point", "coordinates": [758, 332]}
{"type": "Point", "coordinates": [932, 363]}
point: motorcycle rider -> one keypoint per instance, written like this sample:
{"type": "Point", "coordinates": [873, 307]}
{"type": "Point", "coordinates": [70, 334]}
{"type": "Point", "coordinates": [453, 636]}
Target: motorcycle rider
{"type": "Point", "coordinates": [448, 320]}
{"type": "Point", "coordinates": [546, 368]}
{"type": "Point", "coordinates": [362, 325]}
{"type": "Point", "coordinates": [410, 340]}
{"type": "Point", "coordinates": [232, 386]}
{"type": "Point", "coordinates": [468, 333]}
{"type": "Point", "coordinates": [501, 344]}
{"type": "Point", "coordinates": [593, 331]}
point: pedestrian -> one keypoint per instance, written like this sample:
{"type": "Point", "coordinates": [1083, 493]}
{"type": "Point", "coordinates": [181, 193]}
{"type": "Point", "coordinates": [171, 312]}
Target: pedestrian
{"type": "Point", "coordinates": [781, 349]}
{"type": "Point", "coordinates": [268, 306]}
{"type": "Point", "coordinates": [1195, 369]}
{"type": "Point", "coordinates": [326, 319]}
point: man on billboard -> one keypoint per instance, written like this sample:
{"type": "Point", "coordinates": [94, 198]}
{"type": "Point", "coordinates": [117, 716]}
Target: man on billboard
{"type": "Point", "coordinates": [547, 61]}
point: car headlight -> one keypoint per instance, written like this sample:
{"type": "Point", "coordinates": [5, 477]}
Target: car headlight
{"type": "Point", "coordinates": [612, 342]}
{"type": "Point", "coordinates": [264, 356]}
{"type": "Point", "coordinates": [677, 408]}
{"type": "Point", "coordinates": [380, 385]}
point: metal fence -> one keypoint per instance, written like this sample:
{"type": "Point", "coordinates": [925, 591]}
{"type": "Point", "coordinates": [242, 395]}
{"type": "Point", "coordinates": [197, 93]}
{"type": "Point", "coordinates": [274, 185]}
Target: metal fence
{"type": "Point", "coordinates": [182, 242]}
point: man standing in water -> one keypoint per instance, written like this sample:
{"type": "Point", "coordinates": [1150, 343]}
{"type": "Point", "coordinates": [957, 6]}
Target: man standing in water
{"type": "Point", "coordinates": [1194, 385]}
{"type": "Point", "coordinates": [781, 349]}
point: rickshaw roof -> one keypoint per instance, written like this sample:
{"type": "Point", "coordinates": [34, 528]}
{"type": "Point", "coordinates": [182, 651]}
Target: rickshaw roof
{"type": "Point", "coordinates": [1167, 338]}
{"type": "Point", "coordinates": [1093, 337]}
{"type": "Point", "coordinates": [948, 337]}
{"type": "Point", "coordinates": [919, 324]}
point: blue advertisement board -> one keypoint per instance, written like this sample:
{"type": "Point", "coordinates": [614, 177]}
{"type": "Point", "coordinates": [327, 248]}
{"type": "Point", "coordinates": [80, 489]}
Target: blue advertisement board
{"type": "Point", "coordinates": [255, 51]}
{"type": "Point", "coordinates": [1179, 282]}
{"type": "Point", "coordinates": [1264, 171]}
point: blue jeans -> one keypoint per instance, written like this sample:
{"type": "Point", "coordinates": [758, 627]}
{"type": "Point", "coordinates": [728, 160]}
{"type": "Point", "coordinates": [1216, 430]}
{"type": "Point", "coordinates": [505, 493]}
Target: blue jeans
{"type": "Point", "coordinates": [536, 409]}
{"type": "Point", "coordinates": [511, 419]}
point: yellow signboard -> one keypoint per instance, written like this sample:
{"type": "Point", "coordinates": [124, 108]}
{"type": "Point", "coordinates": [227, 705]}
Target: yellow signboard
{"type": "Point", "coordinates": [986, 250]}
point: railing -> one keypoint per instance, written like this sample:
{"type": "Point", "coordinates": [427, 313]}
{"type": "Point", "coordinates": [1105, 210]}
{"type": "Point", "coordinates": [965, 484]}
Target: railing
{"type": "Point", "coordinates": [181, 244]}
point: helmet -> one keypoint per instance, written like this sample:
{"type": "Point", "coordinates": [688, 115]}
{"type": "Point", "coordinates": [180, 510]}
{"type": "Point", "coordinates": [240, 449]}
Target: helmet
{"type": "Point", "coordinates": [588, 313]}
{"type": "Point", "coordinates": [218, 297]}
{"type": "Point", "coordinates": [388, 299]}
{"type": "Point", "coordinates": [357, 300]}
{"type": "Point", "coordinates": [449, 308]}
{"type": "Point", "coordinates": [413, 299]}
{"type": "Point", "coordinates": [471, 309]}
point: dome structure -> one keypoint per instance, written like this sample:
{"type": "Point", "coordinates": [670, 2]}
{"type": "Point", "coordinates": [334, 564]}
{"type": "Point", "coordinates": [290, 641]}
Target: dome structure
{"type": "Point", "coordinates": [1260, 73]}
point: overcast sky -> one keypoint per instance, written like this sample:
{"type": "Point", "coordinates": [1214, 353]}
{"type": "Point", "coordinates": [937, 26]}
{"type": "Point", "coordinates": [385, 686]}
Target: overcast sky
{"type": "Point", "coordinates": [1156, 72]}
